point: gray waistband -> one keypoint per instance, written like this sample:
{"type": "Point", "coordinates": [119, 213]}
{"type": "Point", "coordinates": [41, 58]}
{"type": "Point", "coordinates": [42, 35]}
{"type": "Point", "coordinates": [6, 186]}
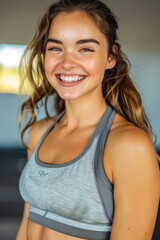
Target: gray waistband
{"type": "Point", "coordinates": [68, 226]}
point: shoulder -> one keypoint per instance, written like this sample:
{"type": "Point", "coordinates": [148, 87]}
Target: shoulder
{"type": "Point", "coordinates": [131, 161]}
{"type": "Point", "coordinates": [38, 129]}
{"type": "Point", "coordinates": [130, 147]}
{"type": "Point", "coordinates": [36, 132]}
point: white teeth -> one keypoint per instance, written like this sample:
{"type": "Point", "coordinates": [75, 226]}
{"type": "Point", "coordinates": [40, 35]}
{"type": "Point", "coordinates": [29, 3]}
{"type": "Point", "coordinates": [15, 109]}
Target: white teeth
{"type": "Point", "coordinates": [70, 78]}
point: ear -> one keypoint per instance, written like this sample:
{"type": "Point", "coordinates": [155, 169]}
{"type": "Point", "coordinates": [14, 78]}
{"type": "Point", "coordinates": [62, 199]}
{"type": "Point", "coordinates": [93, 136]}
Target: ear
{"type": "Point", "coordinates": [111, 62]}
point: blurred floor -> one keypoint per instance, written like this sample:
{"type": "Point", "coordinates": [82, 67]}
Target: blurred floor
{"type": "Point", "coordinates": [9, 227]}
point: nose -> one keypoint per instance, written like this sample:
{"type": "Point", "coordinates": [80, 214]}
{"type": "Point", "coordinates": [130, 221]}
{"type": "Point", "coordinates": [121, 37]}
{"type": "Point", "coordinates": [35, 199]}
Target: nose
{"type": "Point", "coordinates": [69, 61]}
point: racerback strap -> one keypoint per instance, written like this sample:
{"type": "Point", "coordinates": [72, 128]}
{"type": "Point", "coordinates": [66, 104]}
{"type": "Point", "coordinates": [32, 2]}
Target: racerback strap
{"type": "Point", "coordinates": [102, 179]}
{"type": "Point", "coordinates": [100, 175]}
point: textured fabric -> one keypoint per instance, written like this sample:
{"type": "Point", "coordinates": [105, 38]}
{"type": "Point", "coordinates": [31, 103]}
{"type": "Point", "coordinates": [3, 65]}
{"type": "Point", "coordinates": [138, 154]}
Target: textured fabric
{"type": "Point", "coordinates": [65, 197]}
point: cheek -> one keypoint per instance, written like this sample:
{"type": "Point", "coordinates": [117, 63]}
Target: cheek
{"type": "Point", "coordinates": [46, 64]}
{"type": "Point", "coordinates": [90, 65]}
{"type": "Point", "coordinates": [95, 67]}
{"type": "Point", "coordinates": [49, 65]}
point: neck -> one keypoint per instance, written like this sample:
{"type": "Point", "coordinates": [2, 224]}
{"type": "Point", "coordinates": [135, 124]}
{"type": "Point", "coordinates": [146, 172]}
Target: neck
{"type": "Point", "coordinates": [81, 113]}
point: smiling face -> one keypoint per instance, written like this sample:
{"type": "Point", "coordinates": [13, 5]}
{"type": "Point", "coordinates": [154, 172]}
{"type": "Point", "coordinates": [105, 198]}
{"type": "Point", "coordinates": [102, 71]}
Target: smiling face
{"type": "Point", "coordinates": [76, 56]}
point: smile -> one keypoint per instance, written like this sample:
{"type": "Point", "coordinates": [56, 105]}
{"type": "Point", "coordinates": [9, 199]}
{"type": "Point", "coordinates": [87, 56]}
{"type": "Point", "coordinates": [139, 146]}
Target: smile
{"type": "Point", "coordinates": [75, 78]}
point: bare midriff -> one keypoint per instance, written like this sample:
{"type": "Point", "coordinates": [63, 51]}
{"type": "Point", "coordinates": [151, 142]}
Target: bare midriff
{"type": "Point", "coordinates": [38, 232]}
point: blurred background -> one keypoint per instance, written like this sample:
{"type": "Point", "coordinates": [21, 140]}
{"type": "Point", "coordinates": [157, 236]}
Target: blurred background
{"type": "Point", "coordinates": [139, 35]}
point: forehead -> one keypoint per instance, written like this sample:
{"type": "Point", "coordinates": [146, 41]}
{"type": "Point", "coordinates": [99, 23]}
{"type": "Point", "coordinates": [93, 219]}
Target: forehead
{"type": "Point", "coordinates": [77, 22]}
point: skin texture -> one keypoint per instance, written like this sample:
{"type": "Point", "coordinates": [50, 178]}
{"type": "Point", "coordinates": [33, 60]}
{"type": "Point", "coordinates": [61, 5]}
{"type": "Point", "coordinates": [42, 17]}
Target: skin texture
{"type": "Point", "coordinates": [73, 57]}
{"type": "Point", "coordinates": [130, 160]}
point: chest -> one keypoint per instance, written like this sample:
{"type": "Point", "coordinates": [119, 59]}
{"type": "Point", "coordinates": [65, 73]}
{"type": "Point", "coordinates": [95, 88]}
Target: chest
{"type": "Point", "coordinates": [61, 146]}
{"type": "Point", "coordinates": [71, 185]}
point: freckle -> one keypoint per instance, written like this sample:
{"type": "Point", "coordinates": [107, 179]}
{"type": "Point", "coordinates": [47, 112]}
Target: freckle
{"type": "Point", "coordinates": [128, 228]}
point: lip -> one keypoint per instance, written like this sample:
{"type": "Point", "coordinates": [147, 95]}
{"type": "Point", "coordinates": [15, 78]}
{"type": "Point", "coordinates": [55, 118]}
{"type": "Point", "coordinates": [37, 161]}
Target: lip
{"type": "Point", "coordinates": [67, 83]}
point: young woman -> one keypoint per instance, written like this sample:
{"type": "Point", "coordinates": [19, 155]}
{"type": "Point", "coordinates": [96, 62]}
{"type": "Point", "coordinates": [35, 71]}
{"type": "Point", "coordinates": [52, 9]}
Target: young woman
{"type": "Point", "coordinates": [100, 138]}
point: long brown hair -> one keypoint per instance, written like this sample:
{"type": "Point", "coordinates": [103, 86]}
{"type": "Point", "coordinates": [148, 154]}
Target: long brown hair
{"type": "Point", "coordinates": [118, 88]}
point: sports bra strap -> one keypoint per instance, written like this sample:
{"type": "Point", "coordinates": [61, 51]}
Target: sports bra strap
{"type": "Point", "coordinates": [103, 181]}
{"type": "Point", "coordinates": [100, 175]}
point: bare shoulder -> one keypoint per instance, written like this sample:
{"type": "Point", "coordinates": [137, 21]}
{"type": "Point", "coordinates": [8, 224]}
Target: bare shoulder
{"type": "Point", "coordinates": [131, 164]}
{"type": "Point", "coordinates": [129, 146]}
{"type": "Point", "coordinates": [36, 132]}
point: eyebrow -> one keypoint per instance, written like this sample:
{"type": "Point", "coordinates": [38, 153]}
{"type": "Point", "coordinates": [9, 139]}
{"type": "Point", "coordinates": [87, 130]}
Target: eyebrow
{"type": "Point", "coordinates": [82, 41]}
{"type": "Point", "coordinates": [54, 41]}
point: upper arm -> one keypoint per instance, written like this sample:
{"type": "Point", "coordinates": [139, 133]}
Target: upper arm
{"type": "Point", "coordinates": [136, 181]}
{"type": "Point", "coordinates": [36, 132]}
{"type": "Point", "coordinates": [22, 231]}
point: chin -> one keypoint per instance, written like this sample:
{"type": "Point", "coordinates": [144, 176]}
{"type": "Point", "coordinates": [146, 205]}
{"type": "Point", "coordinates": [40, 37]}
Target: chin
{"type": "Point", "coordinates": [68, 96]}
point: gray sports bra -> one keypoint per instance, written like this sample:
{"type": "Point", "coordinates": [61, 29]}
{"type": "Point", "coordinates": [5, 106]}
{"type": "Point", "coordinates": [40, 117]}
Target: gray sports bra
{"type": "Point", "coordinates": [67, 197]}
